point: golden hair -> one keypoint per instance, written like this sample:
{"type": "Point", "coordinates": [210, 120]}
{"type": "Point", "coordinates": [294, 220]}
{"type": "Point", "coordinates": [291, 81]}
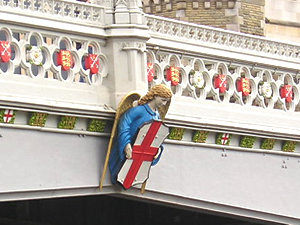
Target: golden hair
{"type": "Point", "coordinates": [160, 90]}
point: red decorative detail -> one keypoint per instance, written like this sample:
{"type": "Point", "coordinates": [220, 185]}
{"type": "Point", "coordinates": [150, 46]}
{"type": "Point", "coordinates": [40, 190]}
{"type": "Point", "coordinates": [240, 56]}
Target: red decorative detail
{"type": "Point", "coordinates": [221, 82]}
{"type": "Point", "coordinates": [92, 63]}
{"type": "Point", "coordinates": [5, 51]}
{"type": "Point", "coordinates": [225, 139]}
{"type": "Point", "coordinates": [243, 85]}
{"type": "Point", "coordinates": [173, 75]}
{"type": "Point", "coordinates": [8, 115]}
{"type": "Point", "coordinates": [143, 152]}
{"type": "Point", "coordinates": [64, 58]}
{"type": "Point", "coordinates": [287, 92]}
{"type": "Point", "coordinates": [150, 71]}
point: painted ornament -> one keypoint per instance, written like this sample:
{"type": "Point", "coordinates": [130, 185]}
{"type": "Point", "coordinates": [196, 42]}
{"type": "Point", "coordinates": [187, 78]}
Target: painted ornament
{"type": "Point", "coordinates": [150, 72]}
{"type": "Point", "coordinates": [243, 85]}
{"type": "Point", "coordinates": [287, 92]}
{"type": "Point", "coordinates": [197, 80]}
{"type": "Point", "coordinates": [92, 63]}
{"type": "Point", "coordinates": [225, 138]}
{"type": "Point", "coordinates": [149, 138]}
{"type": "Point", "coordinates": [173, 75]}
{"type": "Point", "coordinates": [5, 51]}
{"type": "Point", "coordinates": [35, 55]}
{"type": "Point", "coordinates": [64, 59]}
{"type": "Point", "coordinates": [265, 90]}
{"type": "Point", "coordinates": [8, 115]}
{"type": "Point", "coordinates": [220, 82]}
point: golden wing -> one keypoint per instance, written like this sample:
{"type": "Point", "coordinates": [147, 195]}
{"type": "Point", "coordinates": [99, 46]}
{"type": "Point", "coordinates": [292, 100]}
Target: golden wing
{"type": "Point", "coordinates": [125, 104]}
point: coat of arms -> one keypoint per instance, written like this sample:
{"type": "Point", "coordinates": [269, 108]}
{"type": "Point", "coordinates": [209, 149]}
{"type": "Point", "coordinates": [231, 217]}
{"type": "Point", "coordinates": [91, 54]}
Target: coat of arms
{"type": "Point", "coordinates": [92, 63]}
{"type": "Point", "coordinates": [136, 170]}
{"type": "Point", "coordinates": [64, 59]}
{"type": "Point", "coordinates": [5, 51]}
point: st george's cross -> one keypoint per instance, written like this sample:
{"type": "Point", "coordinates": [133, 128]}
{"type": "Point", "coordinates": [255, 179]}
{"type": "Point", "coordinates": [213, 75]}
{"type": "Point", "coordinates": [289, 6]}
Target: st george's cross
{"type": "Point", "coordinates": [8, 115]}
{"type": "Point", "coordinates": [225, 138]}
{"type": "Point", "coordinates": [149, 139]}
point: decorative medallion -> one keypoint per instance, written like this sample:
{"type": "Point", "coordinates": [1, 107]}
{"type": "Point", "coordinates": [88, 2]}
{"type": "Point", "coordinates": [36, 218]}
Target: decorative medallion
{"type": "Point", "coordinates": [64, 59]}
{"type": "Point", "coordinates": [7, 116]}
{"type": "Point", "coordinates": [173, 75]}
{"type": "Point", "coordinates": [200, 136]}
{"type": "Point", "coordinates": [38, 119]}
{"type": "Point", "coordinates": [92, 62]}
{"type": "Point", "coordinates": [220, 82]}
{"type": "Point", "coordinates": [150, 71]}
{"type": "Point", "coordinates": [34, 55]}
{"type": "Point", "coordinates": [243, 85]}
{"type": "Point", "coordinates": [5, 51]}
{"type": "Point", "coordinates": [247, 141]}
{"type": "Point", "coordinates": [287, 92]}
{"type": "Point", "coordinates": [96, 125]}
{"type": "Point", "coordinates": [67, 122]}
{"type": "Point", "coordinates": [223, 139]}
{"type": "Point", "coordinates": [265, 89]}
{"type": "Point", "coordinates": [176, 133]}
{"type": "Point", "coordinates": [289, 146]}
{"type": "Point", "coordinates": [197, 80]}
{"type": "Point", "coordinates": [268, 144]}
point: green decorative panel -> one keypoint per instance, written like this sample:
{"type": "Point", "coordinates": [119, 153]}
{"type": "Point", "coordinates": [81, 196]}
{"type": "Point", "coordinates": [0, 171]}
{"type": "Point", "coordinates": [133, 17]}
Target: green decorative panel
{"type": "Point", "coordinates": [96, 125]}
{"type": "Point", "coordinates": [38, 119]}
{"type": "Point", "coordinates": [67, 122]}
{"type": "Point", "coordinates": [176, 133]}
{"type": "Point", "coordinates": [289, 146]}
{"type": "Point", "coordinates": [7, 116]}
{"type": "Point", "coordinates": [200, 136]}
{"type": "Point", "coordinates": [247, 141]}
{"type": "Point", "coordinates": [268, 143]}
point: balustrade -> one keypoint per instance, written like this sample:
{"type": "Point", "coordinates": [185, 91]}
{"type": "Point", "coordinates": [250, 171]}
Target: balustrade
{"type": "Point", "coordinates": [224, 82]}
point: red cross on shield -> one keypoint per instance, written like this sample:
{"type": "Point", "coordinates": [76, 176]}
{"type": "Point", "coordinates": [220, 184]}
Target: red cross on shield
{"type": "Point", "coordinates": [136, 170]}
{"type": "Point", "coordinates": [5, 51]}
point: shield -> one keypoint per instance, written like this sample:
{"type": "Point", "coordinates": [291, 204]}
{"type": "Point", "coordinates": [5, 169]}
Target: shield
{"type": "Point", "coordinates": [150, 71]}
{"type": "Point", "coordinates": [173, 75]}
{"type": "Point", "coordinates": [221, 82]}
{"type": "Point", "coordinates": [243, 85]}
{"type": "Point", "coordinates": [64, 58]}
{"type": "Point", "coordinates": [287, 92]}
{"type": "Point", "coordinates": [92, 63]}
{"type": "Point", "coordinates": [136, 170]}
{"type": "Point", "coordinates": [5, 51]}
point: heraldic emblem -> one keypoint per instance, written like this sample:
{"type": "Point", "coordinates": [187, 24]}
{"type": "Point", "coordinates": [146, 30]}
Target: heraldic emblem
{"type": "Point", "coordinates": [149, 139]}
{"type": "Point", "coordinates": [136, 138]}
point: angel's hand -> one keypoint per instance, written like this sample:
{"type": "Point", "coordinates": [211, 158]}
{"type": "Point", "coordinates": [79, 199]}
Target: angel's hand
{"type": "Point", "coordinates": [128, 151]}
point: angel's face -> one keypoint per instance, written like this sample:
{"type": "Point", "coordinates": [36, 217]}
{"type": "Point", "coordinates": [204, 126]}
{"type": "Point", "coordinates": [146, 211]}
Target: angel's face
{"type": "Point", "coordinates": [160, 101]}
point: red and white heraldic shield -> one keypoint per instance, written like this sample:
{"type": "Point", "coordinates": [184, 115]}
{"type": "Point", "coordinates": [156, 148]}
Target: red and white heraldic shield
{"type": "Point", "coordinates": [5, 51]}
{"type": "Point", "coordinates": [136, 170]}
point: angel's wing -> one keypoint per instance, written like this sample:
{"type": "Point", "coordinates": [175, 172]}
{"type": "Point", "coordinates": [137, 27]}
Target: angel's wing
{"type": "Point", "coordinates": [125, 104]}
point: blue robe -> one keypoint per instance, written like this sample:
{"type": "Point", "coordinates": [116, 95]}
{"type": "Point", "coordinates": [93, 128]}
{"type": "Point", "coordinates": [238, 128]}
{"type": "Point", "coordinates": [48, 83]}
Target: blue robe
{"type": "Point", "coordinates": [128, 126]}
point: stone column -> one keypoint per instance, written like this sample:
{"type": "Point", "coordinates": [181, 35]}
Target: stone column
{"type": "Point", "coordinates": [125, 49]}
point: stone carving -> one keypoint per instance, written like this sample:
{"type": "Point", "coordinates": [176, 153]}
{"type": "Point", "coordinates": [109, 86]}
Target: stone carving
{"type": "Point", "coordinates": [267, 96]}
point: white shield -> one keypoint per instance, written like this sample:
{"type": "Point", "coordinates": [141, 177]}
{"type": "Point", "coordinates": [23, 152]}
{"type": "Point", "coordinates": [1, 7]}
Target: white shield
{"type": "Point", "coordinates": [144, 169]}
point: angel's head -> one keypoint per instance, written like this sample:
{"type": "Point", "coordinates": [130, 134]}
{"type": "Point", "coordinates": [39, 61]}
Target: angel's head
{"type": "Point", "coordinates": [161, 91]}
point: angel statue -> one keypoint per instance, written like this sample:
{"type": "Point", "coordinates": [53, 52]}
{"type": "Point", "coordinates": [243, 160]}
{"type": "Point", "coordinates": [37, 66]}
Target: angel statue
{"type": "Point", "coordinates": [136, 124]}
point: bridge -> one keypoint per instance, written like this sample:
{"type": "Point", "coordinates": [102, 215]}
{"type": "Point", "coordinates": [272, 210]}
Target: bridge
{"type": "Point", "coordinates": [233, 120]}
